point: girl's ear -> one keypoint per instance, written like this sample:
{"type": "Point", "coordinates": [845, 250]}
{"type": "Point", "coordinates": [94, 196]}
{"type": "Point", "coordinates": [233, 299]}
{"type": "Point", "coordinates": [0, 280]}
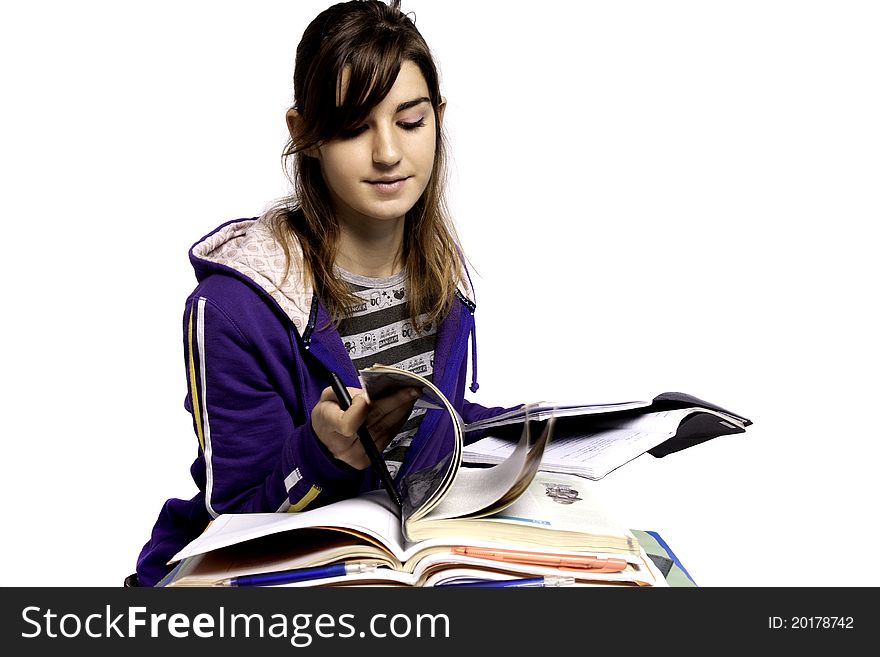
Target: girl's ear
{"type": "Point", "coordinates": [440, 109]}
{"type": "Point", "coordinates": [295, 128]}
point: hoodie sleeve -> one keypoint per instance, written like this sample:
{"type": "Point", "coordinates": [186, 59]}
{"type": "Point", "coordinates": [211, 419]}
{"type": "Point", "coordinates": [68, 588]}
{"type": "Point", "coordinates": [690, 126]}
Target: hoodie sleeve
{"type": "Point", "coordinates": [256, 457]}
{"type": "Point", "coordinates": [472, 412]}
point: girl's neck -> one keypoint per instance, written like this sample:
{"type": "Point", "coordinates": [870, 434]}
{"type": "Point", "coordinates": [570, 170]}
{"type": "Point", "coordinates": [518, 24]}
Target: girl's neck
{"type": "Point", "coordinates": [374, 250]}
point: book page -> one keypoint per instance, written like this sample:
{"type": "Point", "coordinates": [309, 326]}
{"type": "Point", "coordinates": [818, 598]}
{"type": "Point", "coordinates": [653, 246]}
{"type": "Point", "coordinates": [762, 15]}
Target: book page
{"type": "Point", "coordinates": [563, 503]}
{"type": "Point", "coordinates": [481, 491]}
{"type": "Point", "coordinates": [372, 514]}
{"type": "Point", "coordinates": [445, 490]}
{"type": "Point", "coordinates": [596, 452]}
{"type": "Point", "coordinates": [538, 411]}
{"type": "Point", "coordinates": [382, 380]}
{"type": "Point", "coordinates": [282, 551]}
{"type": "Point", "coordinates": [422, 490]}
{"type": "Point", "coordinates": [557, 512]}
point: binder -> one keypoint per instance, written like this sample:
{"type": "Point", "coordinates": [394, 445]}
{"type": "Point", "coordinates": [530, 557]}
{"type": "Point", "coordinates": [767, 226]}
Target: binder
{"type": "Point", "coordinates": [664, 558]}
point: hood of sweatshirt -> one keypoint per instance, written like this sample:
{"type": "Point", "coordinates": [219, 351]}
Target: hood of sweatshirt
{"type": "Point", "coordinates": [248, 247]}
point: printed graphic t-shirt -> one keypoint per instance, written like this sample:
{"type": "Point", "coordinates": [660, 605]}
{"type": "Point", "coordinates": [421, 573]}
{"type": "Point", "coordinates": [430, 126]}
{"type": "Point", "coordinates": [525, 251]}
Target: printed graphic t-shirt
{"type": "Point", "coordinates": [379, 332]}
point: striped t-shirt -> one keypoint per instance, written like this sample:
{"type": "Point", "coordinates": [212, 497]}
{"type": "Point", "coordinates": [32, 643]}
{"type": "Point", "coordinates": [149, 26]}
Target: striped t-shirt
{"type": "Point", "coordinates": [379, 331]}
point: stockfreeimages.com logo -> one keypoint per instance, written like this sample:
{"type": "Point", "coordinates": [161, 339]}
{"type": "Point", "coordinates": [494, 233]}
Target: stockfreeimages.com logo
{"type": "Point", "coordinates": [299, 629]}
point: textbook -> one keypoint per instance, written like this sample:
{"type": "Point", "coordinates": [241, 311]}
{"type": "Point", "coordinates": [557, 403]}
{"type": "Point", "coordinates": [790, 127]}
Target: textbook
{"type": "Point", "coordinates": [447, 511]}
{"type": "Point", "coordinates": [457, 521]}
{"type": "Point", "coordinates": [592, 440]}
{"type": "Point", "coordinates": [558, 527]}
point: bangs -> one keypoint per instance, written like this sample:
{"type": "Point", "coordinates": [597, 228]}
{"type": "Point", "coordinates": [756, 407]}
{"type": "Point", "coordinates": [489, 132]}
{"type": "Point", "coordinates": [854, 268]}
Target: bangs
{"type": "Point", "coordinates": [362, 82]}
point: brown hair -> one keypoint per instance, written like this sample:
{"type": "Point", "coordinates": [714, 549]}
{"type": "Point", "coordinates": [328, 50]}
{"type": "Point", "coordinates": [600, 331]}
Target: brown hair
{"type": "Point", "coordinates": [373, 39]}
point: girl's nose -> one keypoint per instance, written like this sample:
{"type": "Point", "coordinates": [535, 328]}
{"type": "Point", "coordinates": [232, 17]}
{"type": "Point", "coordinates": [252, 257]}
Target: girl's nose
{"type": "Point", "coordinates": [386, 150]}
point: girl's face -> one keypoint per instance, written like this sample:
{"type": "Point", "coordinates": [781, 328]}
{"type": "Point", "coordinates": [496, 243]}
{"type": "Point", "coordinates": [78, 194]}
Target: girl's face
{"type": "Point", "coordinates": [379, 170]}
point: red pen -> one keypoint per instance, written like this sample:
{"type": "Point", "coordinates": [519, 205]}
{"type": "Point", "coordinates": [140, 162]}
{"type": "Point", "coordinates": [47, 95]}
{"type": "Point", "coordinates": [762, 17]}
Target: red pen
{"type": "Point", "coordinates": [571, 562]}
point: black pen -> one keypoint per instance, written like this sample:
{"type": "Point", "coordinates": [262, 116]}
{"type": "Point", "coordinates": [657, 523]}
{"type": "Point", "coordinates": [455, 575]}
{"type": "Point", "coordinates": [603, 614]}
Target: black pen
{"type": "Point", "coordinates": [376, 459]}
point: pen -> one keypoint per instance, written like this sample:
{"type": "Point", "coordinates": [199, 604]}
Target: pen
{"type": "Point", "coordinates": [510, 583]}
{"type": "Point", "coordinates": [298, 575]}
{"type": "Point", "coordinates": [376, 459]}
{"type": "Point", "coordinates": [574, 562]}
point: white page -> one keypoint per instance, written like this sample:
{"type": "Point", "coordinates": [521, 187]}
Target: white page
{"type": "Point", "coordinates": [473, 489]}
{"type": "Point", "coordinates": [372, 514]}
{"type": "Point", "coordinates": [565, 503]}
{"type": "Point", "coordinates": [596, 453]}
{"type": "Point", "coordinates": [478, 492]}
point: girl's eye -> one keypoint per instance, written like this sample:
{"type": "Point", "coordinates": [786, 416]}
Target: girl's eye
{"type": "Point", "coordinates": [406, 125]}
{"type": "Point", "coordinates": [413, 125]}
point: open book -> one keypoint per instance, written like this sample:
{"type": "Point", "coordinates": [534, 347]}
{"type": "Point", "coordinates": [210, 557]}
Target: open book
{"type": "Point", "coordinates": [446, 509]}
{"type": "Point", "coordinates": [451, 509]}
{"type": "Point", "coordinates": [593, 440]}
{"type": "Point", "coordinates": [556, 516]}
{"type": "Point", "coordinates": [446, 491]}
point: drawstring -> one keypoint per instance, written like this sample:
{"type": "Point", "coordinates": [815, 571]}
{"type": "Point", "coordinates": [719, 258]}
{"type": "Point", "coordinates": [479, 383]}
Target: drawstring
{"type": "Point", "coordinates": [474, 385]}
{"type": "Point", "coordinates": [471, 306]}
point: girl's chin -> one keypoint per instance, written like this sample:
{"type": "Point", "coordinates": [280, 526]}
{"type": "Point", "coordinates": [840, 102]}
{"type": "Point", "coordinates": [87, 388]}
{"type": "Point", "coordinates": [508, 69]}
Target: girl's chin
{"type": "Point", "coordinates": [387, 211]}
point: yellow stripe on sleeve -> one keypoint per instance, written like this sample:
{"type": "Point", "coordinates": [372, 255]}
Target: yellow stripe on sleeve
{"type": "Point", "coordinates": [307, 499]}
{"type": "Point", "coordinates": [194, 392]}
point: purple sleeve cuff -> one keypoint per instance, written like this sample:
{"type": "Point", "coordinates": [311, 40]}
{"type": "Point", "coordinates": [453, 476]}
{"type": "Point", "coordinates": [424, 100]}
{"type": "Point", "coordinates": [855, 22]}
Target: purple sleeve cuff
{"type": "Point", "coordinates": [472, 412]}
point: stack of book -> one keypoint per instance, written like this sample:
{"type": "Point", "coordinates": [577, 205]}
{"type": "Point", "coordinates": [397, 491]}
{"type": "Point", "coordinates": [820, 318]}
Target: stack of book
{"type": "Point", "coordinates": [511, 523]}
{"type": "Point", "coordinates": [555, 533]}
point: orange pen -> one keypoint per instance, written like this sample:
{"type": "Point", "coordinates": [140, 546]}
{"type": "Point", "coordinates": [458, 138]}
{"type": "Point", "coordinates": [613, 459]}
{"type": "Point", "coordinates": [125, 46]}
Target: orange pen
{"type": "Point", "coordinates": [571, 562]}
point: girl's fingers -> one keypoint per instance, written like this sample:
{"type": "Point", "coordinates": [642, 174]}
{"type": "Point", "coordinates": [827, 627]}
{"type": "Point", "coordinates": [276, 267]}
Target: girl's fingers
{"type": "Point", "coordinates": [386, 427]}
{"type": "Point", "coordinates": [354, 416]}
{"type": "Point", "coordinates": [403, 398]}
{"type": "Point", "coordinates": [337, 429]}
{"type": "Point", "coordinates": [344, 422]}
{"type": "Point", "coordinates": [385, 422]}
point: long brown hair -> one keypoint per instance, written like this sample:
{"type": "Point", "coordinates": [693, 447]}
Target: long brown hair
{"type": "Point", "coordinates": [373, 39]}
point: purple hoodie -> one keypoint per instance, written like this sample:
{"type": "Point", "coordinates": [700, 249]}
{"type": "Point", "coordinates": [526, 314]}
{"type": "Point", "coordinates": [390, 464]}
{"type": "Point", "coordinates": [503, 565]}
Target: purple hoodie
{"type": "Point", "coordinates": [257, 349]}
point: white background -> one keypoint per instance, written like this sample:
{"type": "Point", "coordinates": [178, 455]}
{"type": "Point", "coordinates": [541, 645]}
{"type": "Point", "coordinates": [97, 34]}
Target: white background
{"type": "Point", "coordinates": [655, 196]}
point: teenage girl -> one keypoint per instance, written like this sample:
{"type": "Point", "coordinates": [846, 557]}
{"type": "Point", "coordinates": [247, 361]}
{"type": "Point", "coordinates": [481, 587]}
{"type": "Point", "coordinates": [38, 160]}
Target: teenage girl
{"type": "Point", "coordinates": [359, 265]}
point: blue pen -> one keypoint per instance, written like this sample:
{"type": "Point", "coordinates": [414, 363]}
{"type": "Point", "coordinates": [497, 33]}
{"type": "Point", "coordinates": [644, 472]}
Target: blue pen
{"type": "Point", "coordinates": [298, 575]}
{"type": "Point", "coordinates": [505, 583]}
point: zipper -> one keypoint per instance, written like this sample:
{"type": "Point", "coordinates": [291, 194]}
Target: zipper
{"type": "Point", "coordinates": [432, 425]}
{"type": "Point", "coordinates": [467, 302]}
{"type": "Point", "coordinates": [472, 307]}
{"type": "Point", "coordinates": [313, 318]}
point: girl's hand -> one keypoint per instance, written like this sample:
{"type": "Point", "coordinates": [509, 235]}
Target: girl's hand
{"type": "Point", "coordinates": [337, 429]}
